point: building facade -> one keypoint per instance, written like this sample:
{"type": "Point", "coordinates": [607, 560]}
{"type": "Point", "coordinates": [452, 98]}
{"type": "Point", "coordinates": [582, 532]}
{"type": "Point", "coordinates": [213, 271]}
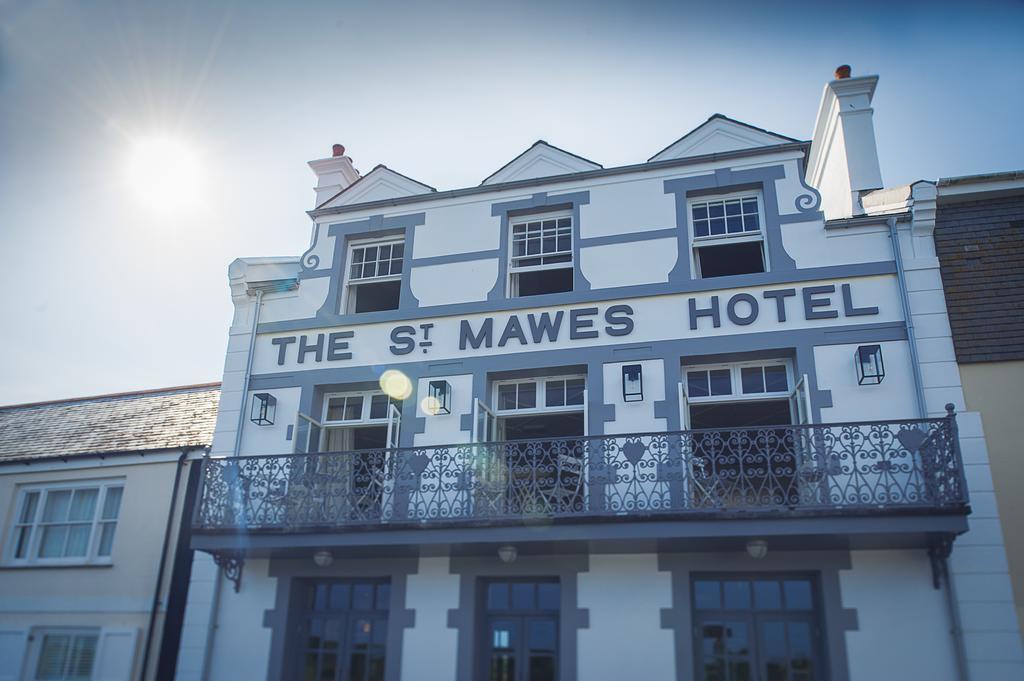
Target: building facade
{"type": "Point", "coordinates": [91, 499]}
{"type": "Point", "coordinates": [693, 418]}
{"type": "Point", "coordinates": [979, 236]}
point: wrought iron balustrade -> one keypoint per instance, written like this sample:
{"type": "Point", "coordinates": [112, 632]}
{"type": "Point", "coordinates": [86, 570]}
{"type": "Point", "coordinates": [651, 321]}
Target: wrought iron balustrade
{"type": "Point", "coordinates": [836, 468]}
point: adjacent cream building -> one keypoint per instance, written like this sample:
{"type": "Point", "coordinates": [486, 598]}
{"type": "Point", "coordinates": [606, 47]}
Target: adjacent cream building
{"type": "Point", "coordinates": [92, 493]}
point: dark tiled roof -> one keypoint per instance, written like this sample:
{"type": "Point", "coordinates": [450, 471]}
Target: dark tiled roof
{"type": "Point", "coordinates": [107, 424]}
{"type": "Point", "coordinates": [980, 245]}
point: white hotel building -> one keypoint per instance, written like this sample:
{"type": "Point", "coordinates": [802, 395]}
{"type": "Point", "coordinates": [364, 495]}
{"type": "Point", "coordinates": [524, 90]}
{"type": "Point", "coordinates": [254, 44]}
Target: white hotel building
{"type": "Point", "coordinates": [693, 418]}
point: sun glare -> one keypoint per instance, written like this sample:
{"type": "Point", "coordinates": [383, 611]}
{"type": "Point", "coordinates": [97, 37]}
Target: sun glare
{"type": "Point", "coordinates": [164, 172]}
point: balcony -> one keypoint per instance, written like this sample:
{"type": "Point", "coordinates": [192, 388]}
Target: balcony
{"type": "Point", "coordinates": [890, 471]}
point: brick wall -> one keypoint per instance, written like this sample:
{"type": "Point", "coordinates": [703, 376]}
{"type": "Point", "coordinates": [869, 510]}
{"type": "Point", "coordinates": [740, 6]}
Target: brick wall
{"type": "Point", "coordinates": [980, 245]}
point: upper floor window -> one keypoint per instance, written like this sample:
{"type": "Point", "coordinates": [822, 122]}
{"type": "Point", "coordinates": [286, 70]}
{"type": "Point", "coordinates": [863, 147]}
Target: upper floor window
{"type": "Point", "coordinates": [541, 254]}
{"type": "Point", "coordinates": [65, 654]}
{"type": "Point", "coordinates": [374, 280]}
{"type": "Point", "coordinates": [356, 408]}
{"type": "Point", "coordinates": [544, 394]}
{"type": "Point", "coordinates": [728, 237]}
{"type": "Point", "coordinates": [65, 524]}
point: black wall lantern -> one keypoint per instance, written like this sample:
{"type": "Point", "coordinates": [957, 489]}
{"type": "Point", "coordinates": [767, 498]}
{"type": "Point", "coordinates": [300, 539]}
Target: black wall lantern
{"type": "Point", "coordinates": [264, 406]}
{"type": "Point", "coordinates": [632, 383]}
{"type": "Point", "coordinates": [870, 369]}
{"type": "Point", "coordinates": [439, 398]}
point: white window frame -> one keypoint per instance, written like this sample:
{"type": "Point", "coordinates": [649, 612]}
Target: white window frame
{"type": "Point", "coordinates": [349, 284]}
{"type": "Point", "coordinates": [39, 635]}
{"type": "Point", "coordinates": [541, 408]}
{"type": "Point", "coordinates": [513, 269]}
{"type": "Point", "coordinates": [719, 239]}
{"type": "Point", "coordinates": [91, 557]}
{"type": "Point", "coordinates": [364, 416]}
{"type": "Point", "coordinates": [736, 384]}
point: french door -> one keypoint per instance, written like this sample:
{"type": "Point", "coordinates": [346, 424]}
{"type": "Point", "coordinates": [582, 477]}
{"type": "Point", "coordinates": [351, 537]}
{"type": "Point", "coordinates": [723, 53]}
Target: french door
{"type": "Point", "coordinates": [762, 628]}
{"type": "Point", "coordinates": [341, 631]}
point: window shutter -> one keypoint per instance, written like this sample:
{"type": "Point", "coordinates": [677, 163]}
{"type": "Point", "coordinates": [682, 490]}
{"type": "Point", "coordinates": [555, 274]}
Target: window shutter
{"type": "Point", "coordinates": [116, 655]}
{"type": "Point", "coordinates": [13, 643]}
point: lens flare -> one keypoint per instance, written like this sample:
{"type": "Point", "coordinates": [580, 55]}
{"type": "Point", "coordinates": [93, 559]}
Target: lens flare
{"type": "Point", "coordinates": [395, 384]}
{"type": "Point", "coordinates": [430, 405]}
{"type": "Point", "coordinates": [164, 173]}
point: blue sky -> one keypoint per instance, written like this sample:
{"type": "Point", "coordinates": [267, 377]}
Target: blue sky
{"type": "Point", "coordinates": [109, 288]}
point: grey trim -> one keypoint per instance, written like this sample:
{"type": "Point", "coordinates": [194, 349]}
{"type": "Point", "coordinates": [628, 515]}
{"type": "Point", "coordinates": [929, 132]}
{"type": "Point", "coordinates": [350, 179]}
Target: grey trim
{"type": "Point", "coordinates": [594, 295]}
{"type": "Point", "coordinates": [838, 620]}
{"type": "Point", "coordinates": [468, 256]}
{"type": "Point", "coordinates": [464, 619]}
{"type": "Point", "coordinates": [631, 237]}
{"type": "Point", "coordinates": [560, 179]}
{"type": "Point", "coordinates": [538, 202]}
{"type": "Point", "coordinates": [343, 233]}
{"type": "Point", "coordinates": [281, 619]}
{"type": "Point", "coordinates": [887, 530]}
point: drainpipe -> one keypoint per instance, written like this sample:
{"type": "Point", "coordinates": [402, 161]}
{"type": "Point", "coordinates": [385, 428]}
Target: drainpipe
{"type": "Point", "coordinates": [940, 557]}
{"type": "Point", "coordinates": [163, 562]}
{"type": "Point", "coordinates": [211, 628]}
{"type": "Point", "coordinates": [911, 336]}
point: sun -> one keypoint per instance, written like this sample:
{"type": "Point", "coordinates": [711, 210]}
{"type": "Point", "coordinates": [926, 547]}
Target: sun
{"type": "Point", "coordinates": [164, 172]}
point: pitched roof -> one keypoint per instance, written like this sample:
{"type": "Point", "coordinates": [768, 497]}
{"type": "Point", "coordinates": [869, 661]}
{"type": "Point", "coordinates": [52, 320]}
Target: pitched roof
{"type": "Point", "coordinates": [541, 159]}
{"type": "Point", "coordinates": [108, 424]}
{"type": "Point", "coordinates": [720, 133]}
{"type": "Point", "coordinates": [378, 184]}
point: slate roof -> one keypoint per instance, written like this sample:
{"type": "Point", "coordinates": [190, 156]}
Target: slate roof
{"type": "Point", "coordinates": [980, 245]}
{"type": "Point", "coordinates": [107, 424]}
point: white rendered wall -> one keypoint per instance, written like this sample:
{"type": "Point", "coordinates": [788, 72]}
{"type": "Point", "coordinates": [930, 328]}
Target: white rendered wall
{"type": "Point", "coordinates": [629, 264]}
{"type": "Point", "coordinates": [635, 417]}
{"type": "Point", "coordinates": [893, 398]}
{"type": "Point", "coordinates": [903, 627]}
{"type": "Point", "coordinates": [429, 648]}
{"type": "Point", "coordinates": [257, 440]}
{"type": "Point", "coordinates": [624, 595]}
{"type": "Point", "coordinates": [811, 245]}
{"type": "Point", "coordinates": [457, 282]}
{"type": "Point", "coordinates": [627, 208]}
{"type": "Point", "coordinates": [445, 428]}
{"type": "Point", "coordinates": [241, 647]}
{"type": "Point", "coordinates": [456, 229]}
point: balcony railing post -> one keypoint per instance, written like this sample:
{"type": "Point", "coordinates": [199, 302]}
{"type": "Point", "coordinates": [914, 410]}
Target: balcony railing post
{"type": "Point", "coordinates": [953, 433]}
{"type": "Point", "coordinates": [200, 493]}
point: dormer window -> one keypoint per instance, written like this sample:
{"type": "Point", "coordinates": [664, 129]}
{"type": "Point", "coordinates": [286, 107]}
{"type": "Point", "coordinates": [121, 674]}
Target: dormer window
{"type": "Point", "coordinates": [374, 275]}
{"type": "Point", "coordinates": [541, 254]}
{"type": "Point", "coordinates": [728, 236]}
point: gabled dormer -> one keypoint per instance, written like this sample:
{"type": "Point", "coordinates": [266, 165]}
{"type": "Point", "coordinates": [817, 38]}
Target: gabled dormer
{"type": "Point", "coordinates": [541, 160]}
{"type": "Point", "coordinates": [718, 134]}
{"type": "Point", "coordinates": [379, 184]}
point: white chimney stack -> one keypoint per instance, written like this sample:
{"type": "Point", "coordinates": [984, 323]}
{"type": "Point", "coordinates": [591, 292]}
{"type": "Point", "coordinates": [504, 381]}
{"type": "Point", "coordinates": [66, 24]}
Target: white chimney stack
{"type": "Point", "coordinates": [332, 174]}
{"type": "Point", "coordinates": [843, 161]}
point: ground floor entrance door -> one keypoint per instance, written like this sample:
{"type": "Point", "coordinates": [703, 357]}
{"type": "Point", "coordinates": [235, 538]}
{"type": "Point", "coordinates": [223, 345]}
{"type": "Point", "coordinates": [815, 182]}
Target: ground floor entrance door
{"type": "Point", "coordinates": [340, 630]}
{"type": "Point", "coordinates": [761, 628]}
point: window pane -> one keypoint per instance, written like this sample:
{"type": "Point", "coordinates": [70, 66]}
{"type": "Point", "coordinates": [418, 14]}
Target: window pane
{"type": "Point", "coordinates": [750, 206]}
{"type": "Point", "coordinates": [522, 596]}
{"type": "Point", "coordinates": [112, 503]}
{"type": "Point", "coordinates": [750, 223]}
{"type": "Point", "coordinates": [554, 393]}
{"type": "Point", "coordinates": [83, 653]}
{"type": "Point", "coordinates": [527, 396]}
{"type": "Point", "coordinates": [716, 210]}
{"type": "Point", "coordinates": [767, 595]}
{"type": "Point", "coordinates": [52, 545]}
{"type": "Point", "coordinates": [106, 539]}
{"type": "Point", "coordinates": [353, 408]}
{"type": "Point", "coordinates": [737, 595]}
{"type": "Point", "coordinates": [507, 396]}
{"type": "Point", "coordinates": [28, 507]}
{"type": "Point", "coordinates": [752, 379]}
{"type": "Point", "coordinates": [497, 596]}
{"type": "Point", "coordinates": [542, 635]}
{"type": "Point", "coordinates": [707, 595]}
{"type": "Point", "coordinates": [362, 597]}
{"type": "Point", "coordinates": [775, 379]}
{"type": "Point", "coordinates": [57, 505]}
{"type": "Point", "coordinates": [379, 407]}
{"type": "Point", "coordinates": [340, 594]}
{"type": "Point", "coordinates": [22, 542]}
{"type": "Point", "coordinates": [548, 596]}
{"type": "Point", "coordinates": [734, 225]}
{"type": "Point", "coordinates": [697, 384]}
{"type": "Point", "coordinates": [798, 594]}
{"type": "Point", "coordinates": [700, 211]}
{"type": "Point", "coordinates": [701, 228]}
{"type": "Point", "coordinates": [721, 383]}
{"type": "Point", "coordinates": [83, 504]}
{"type": "Point", "coordinates": [542, 668]}
{"type": "Point", "coordinates": [574, 391]}
{"type": "Point", "coordinates": [383, 596]}
{"type": "Point", "coordinates": [78, 541]}
{"type": "Point", "coordinates": [718, 226]}
{"type": "Point", "coordinates": [53, 656]}
{"type": "Point", "coordinates": [336, 409]}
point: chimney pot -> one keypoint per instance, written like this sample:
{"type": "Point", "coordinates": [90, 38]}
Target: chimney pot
{"type": "Point", "coordinates": [339, 149]}
{"type": "Point", "coordinates": [842, 72]}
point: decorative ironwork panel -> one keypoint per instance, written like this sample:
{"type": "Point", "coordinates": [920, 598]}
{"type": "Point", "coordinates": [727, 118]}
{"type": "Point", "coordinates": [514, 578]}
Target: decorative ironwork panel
{"type": "Point", "coordinates": [845, 467]}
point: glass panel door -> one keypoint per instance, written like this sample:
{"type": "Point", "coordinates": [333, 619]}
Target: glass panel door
{"type": "Point", "coordinates": [342, 633]}
{"type": "Point", "coordinates": [522, 631]}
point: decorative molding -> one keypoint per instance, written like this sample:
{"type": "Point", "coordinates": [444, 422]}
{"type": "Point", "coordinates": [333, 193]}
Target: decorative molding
{"type": "Point", "coordinates": [231, 564]}
{"type": "Point", "coordinates": [527, 164]}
